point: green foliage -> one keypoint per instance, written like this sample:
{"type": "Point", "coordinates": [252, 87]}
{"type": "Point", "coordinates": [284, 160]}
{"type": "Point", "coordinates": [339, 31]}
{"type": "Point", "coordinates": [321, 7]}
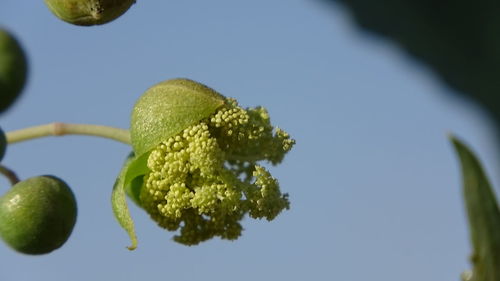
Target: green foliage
{"type": "Point", "coordinates": [133, 173]}
{"type": "Point", "coordinates": [484, 216]}
{"type": "Point", "coordinates": [37, 215]}
{"type": "Point", "coordinates": [458, 39]}
{"type": "Point", "coordinates": [88, 12]}
{"type": "Point", "coordinates": [13, 69]}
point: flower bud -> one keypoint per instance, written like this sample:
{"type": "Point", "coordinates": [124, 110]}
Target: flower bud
{"type": "Point", "coordinates": [88, 12]}
{"type": "Point", "coordinates": [13, 69]}
{"type": "Point", "coordinates": [37, 215]}
{"type": "Point", "coordinates": [167, 108]}
{"type": "Point", "coordinates": [196, 163]}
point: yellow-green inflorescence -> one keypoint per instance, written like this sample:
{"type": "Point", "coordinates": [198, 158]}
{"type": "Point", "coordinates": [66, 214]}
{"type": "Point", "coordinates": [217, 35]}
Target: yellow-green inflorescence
{"type": "Point", "coordinates": [206, 178]}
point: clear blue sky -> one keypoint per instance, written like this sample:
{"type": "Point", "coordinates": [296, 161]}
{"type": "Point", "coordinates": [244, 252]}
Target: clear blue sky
{"type": "Point", "coordinates": [373, 181]}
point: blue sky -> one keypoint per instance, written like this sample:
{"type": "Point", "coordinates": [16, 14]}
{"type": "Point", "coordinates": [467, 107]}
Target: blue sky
{"type": "Point", "coordinates": [373, 181]}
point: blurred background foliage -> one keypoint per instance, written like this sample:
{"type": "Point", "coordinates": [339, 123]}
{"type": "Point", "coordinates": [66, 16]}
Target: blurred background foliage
{"type": "Point", "coordinates": [458, 39]}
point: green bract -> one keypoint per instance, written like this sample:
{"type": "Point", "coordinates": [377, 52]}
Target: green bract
{"type": "Point", "coordinates": [37, 215]}
{"type": "Point", "coordinates": [88, 12]}
{"type": "Point", "coordinates": [3, 144]}
{"type": "Point", "coordinates": [167, 108]}
{"type": "Point", "coordinates": [197, 162]}
{"type": "Point", "coordinates": [13, 69]}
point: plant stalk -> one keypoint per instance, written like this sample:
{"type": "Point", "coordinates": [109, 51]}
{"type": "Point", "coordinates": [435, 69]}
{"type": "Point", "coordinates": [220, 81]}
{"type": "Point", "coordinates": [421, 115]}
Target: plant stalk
{"type": "Point", "coordinates": [62, 129]}
{"type": "Point", "coordinates": [9, 174]}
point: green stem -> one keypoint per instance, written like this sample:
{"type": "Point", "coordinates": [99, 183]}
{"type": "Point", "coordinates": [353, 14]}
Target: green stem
{"type": "Point", "coordinates": [61, 129]}
{"type": "Point", "coordinates": [9, 174]}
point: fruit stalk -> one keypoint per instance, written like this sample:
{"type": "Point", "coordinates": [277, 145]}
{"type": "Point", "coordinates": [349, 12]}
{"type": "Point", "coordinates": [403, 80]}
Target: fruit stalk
{"type": "Point", "coordinates": [61, 129]}
{"type": "Point", "coordinates": [9, 174]}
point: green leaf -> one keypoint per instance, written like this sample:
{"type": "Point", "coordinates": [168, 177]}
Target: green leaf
{"type": "Point", "coordinates": [167, 108]}
{"type": "Point", "coordinates": [133, 190]}
{"type": "Point", "coordinates": [134, 170]}
{"type": "Point", "coordinates": [484, 216]}
{"type": "Point", "coordinates": [120, 206]}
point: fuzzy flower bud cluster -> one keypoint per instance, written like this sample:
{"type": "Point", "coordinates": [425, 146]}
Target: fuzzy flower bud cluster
{"type": "Point", "coordinates": [206, 178]}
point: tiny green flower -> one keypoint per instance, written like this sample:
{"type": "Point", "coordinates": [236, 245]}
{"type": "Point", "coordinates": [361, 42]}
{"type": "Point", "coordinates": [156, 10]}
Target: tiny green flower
{"type": "Point", "coordinates": [202, 174]}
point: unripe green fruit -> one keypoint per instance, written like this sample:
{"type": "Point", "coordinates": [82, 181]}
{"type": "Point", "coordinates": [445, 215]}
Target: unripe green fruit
{"type": "Point", "coordinates": [37, 215]}
{"type": "Point", "coordinates": [13, 69]}
{"type": "Point", "coordinates": [88, 12]}
{"type": "Point", "coordinates": [3, 144]}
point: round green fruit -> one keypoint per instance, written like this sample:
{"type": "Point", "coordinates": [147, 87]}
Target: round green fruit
{"type": "Point", "coordinates": [37, 215]}
{"type": "Point", "coordinates": [88, 12]}
{"type": "Point", "coordinates": [3, 144]}
{"type": "Point", "coordinates": [13, 69]}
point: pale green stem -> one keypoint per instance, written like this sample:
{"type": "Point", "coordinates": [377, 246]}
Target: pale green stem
{"type": "Point", "coordinates": [9, 174]}
{"type": "Point", "coordinates": [61, 129]}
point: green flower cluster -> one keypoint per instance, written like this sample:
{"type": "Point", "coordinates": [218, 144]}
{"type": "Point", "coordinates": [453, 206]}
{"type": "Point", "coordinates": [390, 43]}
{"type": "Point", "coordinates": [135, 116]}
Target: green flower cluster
{"type": "Point", "coordinates": [206, 178]}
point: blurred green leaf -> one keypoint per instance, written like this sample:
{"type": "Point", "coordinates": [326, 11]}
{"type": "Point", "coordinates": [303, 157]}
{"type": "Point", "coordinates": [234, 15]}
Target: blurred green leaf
{"type": "Point", "coordinates": [484, 216]}
{"type": "Point", "coordinates": [458, 39]}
